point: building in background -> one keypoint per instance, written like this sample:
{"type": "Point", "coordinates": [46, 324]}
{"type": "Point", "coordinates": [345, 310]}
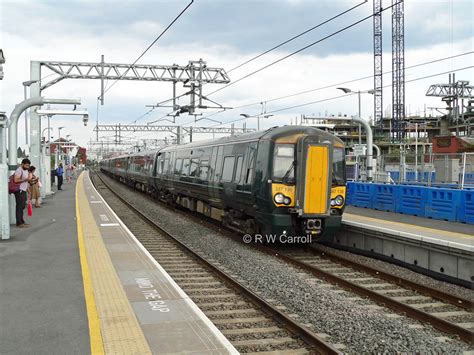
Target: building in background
{"type": "Point", "coordinates": [68, 152]}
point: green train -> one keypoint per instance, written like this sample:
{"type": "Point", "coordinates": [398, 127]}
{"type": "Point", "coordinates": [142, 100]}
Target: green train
{"type": "Point", "coordinates": [285, 181]}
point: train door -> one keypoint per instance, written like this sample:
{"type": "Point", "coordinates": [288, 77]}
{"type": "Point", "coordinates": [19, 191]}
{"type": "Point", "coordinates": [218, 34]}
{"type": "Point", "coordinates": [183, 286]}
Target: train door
{"type": "Point", "coordinates": [215, 171]}
{"type": "Point", "coordinates": [227, 178]}
{"type": "Point", "coordinates": [244, 181]}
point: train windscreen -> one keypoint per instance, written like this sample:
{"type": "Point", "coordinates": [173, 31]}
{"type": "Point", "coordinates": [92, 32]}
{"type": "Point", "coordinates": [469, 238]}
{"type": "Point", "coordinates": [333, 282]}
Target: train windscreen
{"type": "Point", "coordinates": [338, 169]}
{"type": "Point", "coordinates": [283, 163]}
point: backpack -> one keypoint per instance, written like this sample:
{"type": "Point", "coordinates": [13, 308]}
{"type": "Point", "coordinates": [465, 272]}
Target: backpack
{"type": "Point", "coordinates": [12, 185]}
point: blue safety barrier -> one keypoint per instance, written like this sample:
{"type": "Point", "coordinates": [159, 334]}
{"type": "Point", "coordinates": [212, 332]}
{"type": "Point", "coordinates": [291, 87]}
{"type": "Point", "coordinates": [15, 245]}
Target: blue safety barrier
{"type": "Point", "coordinates": [466, 210]}
{"type": "Point", "coordinates": [362, 195]}
{"type": "Point", "coordinates": [384, 197]}
{"type": "Point", "coordinates": [412, 200]}
{"type": "Point", "coordinates": [442, 203]}
{"type": "Point", "coordinates": [350, 194]}
{"type": "Point", "coordinates": [432, 202]}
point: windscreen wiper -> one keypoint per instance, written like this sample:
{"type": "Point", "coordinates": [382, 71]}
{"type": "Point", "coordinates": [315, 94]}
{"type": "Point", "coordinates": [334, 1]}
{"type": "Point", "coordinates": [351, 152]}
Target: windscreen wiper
{"type": "Point", "coordinates": [288, 172]}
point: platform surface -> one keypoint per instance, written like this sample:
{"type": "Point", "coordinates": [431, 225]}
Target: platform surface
{"type": "Point", "coordinates": [139, 308]}
{"type": "Point", "coordinates": [42, 305]}
{"type": "Point", "coordinates": [77, 281]}
{"type": "Point", "coordinates": [429, 230]}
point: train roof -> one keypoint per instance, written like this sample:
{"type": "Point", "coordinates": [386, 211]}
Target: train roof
{"type": "Point", "coordinates": [271, 133]}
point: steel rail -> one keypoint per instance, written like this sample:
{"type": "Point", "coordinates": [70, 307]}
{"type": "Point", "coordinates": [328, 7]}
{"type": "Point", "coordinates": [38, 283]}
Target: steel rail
{"type": "Point", "coordinates": [441, 324]}
{"type": "Point", "coordinates": [299, 330]}
{"type": "Point", "coordinates": [397, 280]}
{"type": "Point", "coordinates": [436, 322]}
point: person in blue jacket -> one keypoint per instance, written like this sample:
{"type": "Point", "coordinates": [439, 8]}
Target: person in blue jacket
{"type": "Point", "coordinates": [59, 174]}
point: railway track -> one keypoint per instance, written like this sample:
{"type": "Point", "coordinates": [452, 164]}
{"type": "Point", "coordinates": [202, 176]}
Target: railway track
{"type": "Point", "coordinates": [444, 311]}
{"type": "Point", "coordinates": [250, 323]}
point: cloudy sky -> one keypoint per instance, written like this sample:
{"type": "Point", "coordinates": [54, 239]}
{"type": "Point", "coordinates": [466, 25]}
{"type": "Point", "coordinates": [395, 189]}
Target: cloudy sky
{"type": "Point", "coordinates": [225, 33]}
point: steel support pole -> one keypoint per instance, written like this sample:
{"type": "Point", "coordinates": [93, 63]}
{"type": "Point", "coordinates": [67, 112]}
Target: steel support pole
{"type": "Point", "coordinates": [26, 116]}
{"type": "Point", "coordinates": [464, 157]}
{"type": "Point", "coordinates": [13, 135]}
{"type": "Point", "coordinates": [5, 215]}
{"type": "Point", "coordinates": [370, 148]}
{"type": "Point", "coordinates": [47, 160]}
{"type": "Point", "coordinates": [101, 80]}
{"type": "Point", "coordinates": [178, 135]}
{"type": "Point", "coordinates": [416, 152]}
{"type": "Point", "coordinates": [35, 123]}
{"type": "Point", "coordinates": [369, 140]}
{"type": "Point", "coordinates": [360, 115]}
{"type": "Point", "coordinates": [13, 124]}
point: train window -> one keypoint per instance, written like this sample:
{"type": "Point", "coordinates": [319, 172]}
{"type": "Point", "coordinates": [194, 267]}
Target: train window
{"type": "Point", "coordinates": [194, 170]}
{"type": "Point", "coordinates": [284, 162]}
{"type": "Point", "coordinates": [185, 170]}
{"type": "Point", "coordinates": [204, 170]}
{"type": "Point", "coordinates": [165, 166]}
{"type": "Point", "coordinates": [228, 169]}
{"type": "Point", "coordinates": [177, 166]}
{"type": "Point", "coordinates": [238, 169]}
{"type": "Point", "coordinates": [338, 167]}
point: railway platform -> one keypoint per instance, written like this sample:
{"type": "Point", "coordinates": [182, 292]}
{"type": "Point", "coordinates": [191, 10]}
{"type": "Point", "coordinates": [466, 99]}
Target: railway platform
{"type": "Point", "coordinates": [454, 234]}
{"type": "Point", "coordinates": [443, 249]}
{"type": "Point", "coordinates": [78, 281]}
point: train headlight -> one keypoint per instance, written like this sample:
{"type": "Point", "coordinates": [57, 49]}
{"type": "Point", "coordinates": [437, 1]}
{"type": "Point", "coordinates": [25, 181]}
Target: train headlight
{"type": "Point", "coordinates": [333, 203]}
{"type": "Point", "coordinates": [279, 198]}
{"type": "Point", "coordinates": [287, 201]}
{"type": "Point", "coordinates": [339, 200]}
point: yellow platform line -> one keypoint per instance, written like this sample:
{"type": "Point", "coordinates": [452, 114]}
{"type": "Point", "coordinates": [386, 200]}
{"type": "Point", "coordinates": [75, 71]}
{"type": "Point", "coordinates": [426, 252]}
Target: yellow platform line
{"type": "Point", "coordinates": [92, 316]}
{"type": "Point", "coordinates": [400, 226]}
{"type": "Point", "coordinates": [114, 328]}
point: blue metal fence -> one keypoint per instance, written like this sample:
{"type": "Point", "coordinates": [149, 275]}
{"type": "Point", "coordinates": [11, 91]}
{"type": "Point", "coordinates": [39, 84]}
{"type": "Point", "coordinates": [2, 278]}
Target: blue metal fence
{"type": "Point", "coordinates": [432, 202]}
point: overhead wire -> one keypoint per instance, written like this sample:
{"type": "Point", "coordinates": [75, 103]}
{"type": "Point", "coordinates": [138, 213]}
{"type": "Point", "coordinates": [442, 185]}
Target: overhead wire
{"type": "Point", "coordinates": [335, 84]}
{"type": "Point", "coordinates": [142, 54]}
{"type": "Point", "coordinates": [292, 39]}
{"type": "Point", "coordinates": [351, 81]}
{"type": "Point", "coordinates": [296, 36]}
{"type": "Point", "coordinates": [288, 41]}
{"type": "Point", "coordinates": [302, 49]}
{"type": "Point", "coordinates": [341, 96]}
{"type": "Point", "coordinates": [151, 45]}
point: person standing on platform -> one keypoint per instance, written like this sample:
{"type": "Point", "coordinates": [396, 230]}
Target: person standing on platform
{"type": "Point", "coordinates": [22, 177]}
{"type": "Point", "coordinates": [34, 189]}
{"type": "Point", "coordinates": [59, 174]}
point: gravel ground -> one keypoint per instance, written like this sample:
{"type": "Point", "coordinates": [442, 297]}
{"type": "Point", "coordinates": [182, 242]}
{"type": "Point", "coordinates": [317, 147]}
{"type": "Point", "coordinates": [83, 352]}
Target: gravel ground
{"type": "Point", "coordinates": [360, 328]}
{"type": "Point", "coordinates": [405, 273]}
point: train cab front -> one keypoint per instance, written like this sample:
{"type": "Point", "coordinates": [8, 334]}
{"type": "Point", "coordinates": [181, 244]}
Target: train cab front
{"type": "Point", "coordinates": [308, 185]}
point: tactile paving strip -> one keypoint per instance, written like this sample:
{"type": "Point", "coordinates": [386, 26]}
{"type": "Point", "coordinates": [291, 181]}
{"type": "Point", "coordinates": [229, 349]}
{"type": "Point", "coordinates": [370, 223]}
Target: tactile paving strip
{"type": "Point", "coordinates": [120, 330]}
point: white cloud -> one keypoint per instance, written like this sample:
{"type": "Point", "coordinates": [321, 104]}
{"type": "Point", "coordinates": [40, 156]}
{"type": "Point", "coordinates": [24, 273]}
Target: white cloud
{"type": "Point", "coordinates": [70, 40]}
